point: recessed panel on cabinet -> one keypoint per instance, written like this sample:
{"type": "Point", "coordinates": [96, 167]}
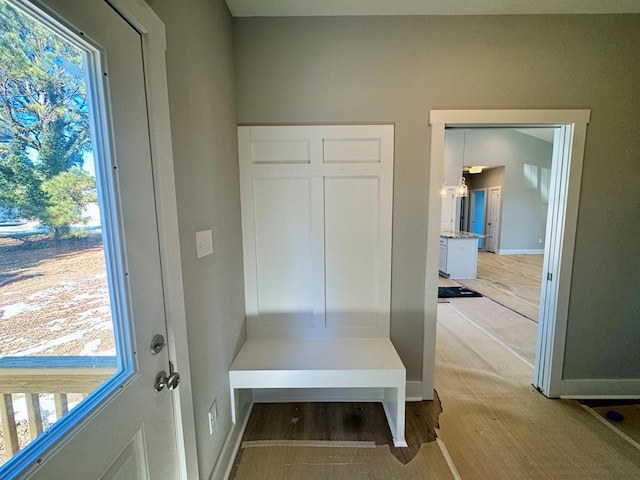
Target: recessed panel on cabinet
{"type": "Point", "coordinates": [281, 151]}
{"type": "Point", "coordinates": [351, 150]}
{"type": "Point", "coordinates": [283, 242]}
{"type": "Point", "coordinates": [351, 251]}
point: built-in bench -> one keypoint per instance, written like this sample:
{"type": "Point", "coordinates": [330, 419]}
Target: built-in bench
{"type": "Point", "coordinates": [324, 363]}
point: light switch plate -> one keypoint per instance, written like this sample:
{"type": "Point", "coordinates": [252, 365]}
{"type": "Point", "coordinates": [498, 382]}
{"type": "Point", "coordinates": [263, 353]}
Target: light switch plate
{"type": "Point", "coordinates": [204, 243]}
{"type": "Point", "coordinates": [213, 417]}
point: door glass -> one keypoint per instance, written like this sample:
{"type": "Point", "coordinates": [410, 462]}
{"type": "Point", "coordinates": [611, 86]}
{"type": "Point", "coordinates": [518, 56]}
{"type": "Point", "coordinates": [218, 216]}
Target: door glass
{"type": "Point", "coordinates": [57, 341]}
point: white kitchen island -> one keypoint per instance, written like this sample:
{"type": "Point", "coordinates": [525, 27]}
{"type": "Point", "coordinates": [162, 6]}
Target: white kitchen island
{"type": "Point", "coordinates": [458, 254]}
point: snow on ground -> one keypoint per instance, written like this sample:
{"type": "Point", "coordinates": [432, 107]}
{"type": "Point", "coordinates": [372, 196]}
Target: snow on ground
{"type": "Point", "coordinates": [53, 303]}
{"type": "Point", "coordinates": [50, 344]}
{"type": "Point", "coordinates": [9, 311]}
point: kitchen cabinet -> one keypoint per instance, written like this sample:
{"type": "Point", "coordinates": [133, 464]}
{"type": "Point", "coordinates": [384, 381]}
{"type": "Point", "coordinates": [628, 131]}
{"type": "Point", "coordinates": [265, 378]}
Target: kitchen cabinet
{"type": "Point", "coordinates": [459, 255]}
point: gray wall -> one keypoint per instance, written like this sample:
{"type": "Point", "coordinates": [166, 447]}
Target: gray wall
{"type": "Point", "coordinates": [201, 94]}
{"type": "Point", "coordinates": [493, 177]}
{"type": "Point", "coordinates": [524, 205]}
{"type": "Point", "coordinates": [394, 70]}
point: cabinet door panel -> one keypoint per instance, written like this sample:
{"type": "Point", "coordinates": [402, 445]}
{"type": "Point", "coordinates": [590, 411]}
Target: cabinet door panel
{"type": "Point", "coordinates": [311, 272]}
{"type": "Point", "coordinates": [351, 252]}
{"type": "Point", "coordinates": [283, 251]}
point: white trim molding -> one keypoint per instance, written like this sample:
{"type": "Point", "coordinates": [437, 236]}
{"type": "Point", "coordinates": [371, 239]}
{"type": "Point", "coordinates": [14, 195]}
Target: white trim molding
{"type": "Point", "coordinates": [414, 392]}
{"type": "Point", "coordinates": [521, 251]}
{"type": "Point", "coordinates": [233, 442]}
{"type": "Point", "coordinates": [509, 118]}
{"type": "Point", "coordinates": [570, 140]}
{"type": "Point", "coordinates": [152, 32]}
{"type": "Point", "coordinates": [593, 388]}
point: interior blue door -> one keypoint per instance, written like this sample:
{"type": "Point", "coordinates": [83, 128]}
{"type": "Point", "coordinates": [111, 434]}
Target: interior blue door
{"type": "Point", "coordinates": [477, 216]}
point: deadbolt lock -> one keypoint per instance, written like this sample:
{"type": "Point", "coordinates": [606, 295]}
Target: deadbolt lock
{"type": "Point", "coordinates": [157, 344]}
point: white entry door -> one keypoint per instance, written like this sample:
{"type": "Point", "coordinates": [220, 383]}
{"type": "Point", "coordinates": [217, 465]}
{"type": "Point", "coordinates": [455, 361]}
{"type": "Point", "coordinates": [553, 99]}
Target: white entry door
{"type": "Point", "coordinates": [126, 430]}
{"type": "Point", "coordinates": [494, 204]}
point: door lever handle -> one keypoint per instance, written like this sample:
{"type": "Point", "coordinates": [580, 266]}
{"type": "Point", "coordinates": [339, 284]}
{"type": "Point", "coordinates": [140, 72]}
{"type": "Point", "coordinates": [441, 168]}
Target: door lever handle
{"type": "Point", "coordinates": [162, 380]}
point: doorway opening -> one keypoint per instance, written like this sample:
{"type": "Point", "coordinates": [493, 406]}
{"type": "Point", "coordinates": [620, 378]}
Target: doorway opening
{"type": "Point", "coordinates": [566, 171]}
{"type": "Point", "coordinates": [477, 211]}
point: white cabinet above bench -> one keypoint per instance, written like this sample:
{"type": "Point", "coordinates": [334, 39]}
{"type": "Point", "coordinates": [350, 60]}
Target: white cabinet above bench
{"type": "Point", "coordinates": [316, 225]}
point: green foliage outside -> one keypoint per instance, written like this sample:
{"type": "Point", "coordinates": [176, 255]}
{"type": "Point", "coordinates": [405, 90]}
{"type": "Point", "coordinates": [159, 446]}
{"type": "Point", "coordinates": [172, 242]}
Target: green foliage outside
{"type": "Point", "coordinates": [44, 124]}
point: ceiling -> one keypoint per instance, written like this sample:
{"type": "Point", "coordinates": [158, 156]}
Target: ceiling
{"type": "Point", "coordinates": [545, 134]}
{"type": "Point", "coordinates": [305, 8]}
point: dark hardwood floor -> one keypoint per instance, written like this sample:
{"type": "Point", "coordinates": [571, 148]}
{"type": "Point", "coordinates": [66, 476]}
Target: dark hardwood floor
{"type": "Point", "coordinates": [335, 421]}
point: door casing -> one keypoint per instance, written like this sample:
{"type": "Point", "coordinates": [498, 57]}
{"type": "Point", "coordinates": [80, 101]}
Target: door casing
{"type": "Point", "coordinates": [552, 328]}
{"type": "Point", "coordinates": [154, 45]}
{"type": "Point", "coordinates": [493, 219]}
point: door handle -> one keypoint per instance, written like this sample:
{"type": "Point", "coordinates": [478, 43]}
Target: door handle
{"type": "Point", "coordinates": [162, 380]}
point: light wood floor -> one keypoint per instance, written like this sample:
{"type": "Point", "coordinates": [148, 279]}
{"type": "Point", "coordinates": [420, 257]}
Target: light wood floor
{"type": "Point", "coordinates": [511, 280]}
{"type": "Point", "coordinates": [495, 424]}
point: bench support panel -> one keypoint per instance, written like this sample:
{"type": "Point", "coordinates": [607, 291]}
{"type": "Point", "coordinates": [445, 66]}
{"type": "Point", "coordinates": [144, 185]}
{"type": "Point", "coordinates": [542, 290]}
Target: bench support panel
{"type": "Point", "coordinates": [371, 364]}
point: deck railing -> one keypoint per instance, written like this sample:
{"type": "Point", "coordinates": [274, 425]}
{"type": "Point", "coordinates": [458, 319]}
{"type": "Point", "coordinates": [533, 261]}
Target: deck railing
{"type": "Point", "coordinates": [34, 376]}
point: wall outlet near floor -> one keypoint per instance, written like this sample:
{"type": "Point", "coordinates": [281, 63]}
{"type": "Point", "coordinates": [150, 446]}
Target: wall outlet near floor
{"type": "Point", "coordinates": [213, 417]}
{"type": "Point", "coordinates": [540, 240]}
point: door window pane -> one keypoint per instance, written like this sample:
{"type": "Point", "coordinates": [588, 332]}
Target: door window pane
{"type": "Point", "coordinates": [57, 342]}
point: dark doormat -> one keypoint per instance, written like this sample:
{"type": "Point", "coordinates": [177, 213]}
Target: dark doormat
{"type": "Point", "coordinates": [454, 292]}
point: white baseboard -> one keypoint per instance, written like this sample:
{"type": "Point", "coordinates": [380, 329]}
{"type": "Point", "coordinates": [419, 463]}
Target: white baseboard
{"type": "Point", "coordinates": [224, 465]}
{"type": "Point", "coordinates": [414, 392]}
{"type": "Point", "coordinates": [521, 251]}
{"type": "Point", "coordinates": [598, 388]}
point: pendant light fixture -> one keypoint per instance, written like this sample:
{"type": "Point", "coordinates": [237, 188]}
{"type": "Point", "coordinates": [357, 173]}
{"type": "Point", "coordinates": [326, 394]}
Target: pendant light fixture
{"type": "Point", "coordinates": [462, 190]}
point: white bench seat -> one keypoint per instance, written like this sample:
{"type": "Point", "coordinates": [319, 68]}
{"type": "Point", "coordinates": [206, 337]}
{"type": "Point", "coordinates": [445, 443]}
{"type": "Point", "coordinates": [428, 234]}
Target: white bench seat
{"type": "Point", "coordinates": [324, 363]}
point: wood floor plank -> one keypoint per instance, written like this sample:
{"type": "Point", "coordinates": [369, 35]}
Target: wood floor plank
{"type": "Point", "coordinates": [497, 426]}
{"type": "Point", "coordinates": [513, 330]}
{"type": "Point", "coordinates": [511, 280]}
{"type": "Point", "coordinates": [296, 463]}
{"type": "Point", "coordinates": [343, 421]}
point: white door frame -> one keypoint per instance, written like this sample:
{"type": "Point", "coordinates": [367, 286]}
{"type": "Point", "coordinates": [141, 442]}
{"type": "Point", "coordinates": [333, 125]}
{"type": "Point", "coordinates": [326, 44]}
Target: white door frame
{"type": "Point", "coordinates": [552, 331]}
{"type": "Point", "coordinates": [495, 238]}
{"type": "Point", "coordinates": [154, 45]}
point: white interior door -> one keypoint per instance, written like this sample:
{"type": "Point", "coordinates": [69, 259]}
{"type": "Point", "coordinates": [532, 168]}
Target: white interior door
{"type": "Point", "coordinates": [450, 206]}
{"type": "Point", "coordinates": [494, 204]}
{"type": "Point", "coordinates": [126, 430]}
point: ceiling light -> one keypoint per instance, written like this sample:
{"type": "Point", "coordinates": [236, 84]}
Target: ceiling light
{"type": "Point", "coordinates": [444, 191]}
{"type": "Point", "coordinates": [475, 169]}
{"type": "Point", "coordinates": [462, 190]}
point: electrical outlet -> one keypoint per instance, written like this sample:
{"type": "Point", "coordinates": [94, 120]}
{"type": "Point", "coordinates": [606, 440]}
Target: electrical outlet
{"type": "Point", "coordinates": [213, 417]}
{"type": "Point", "coordinates": [204, 243]}
{"type": "Point", "coordinates": [540, 240]}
